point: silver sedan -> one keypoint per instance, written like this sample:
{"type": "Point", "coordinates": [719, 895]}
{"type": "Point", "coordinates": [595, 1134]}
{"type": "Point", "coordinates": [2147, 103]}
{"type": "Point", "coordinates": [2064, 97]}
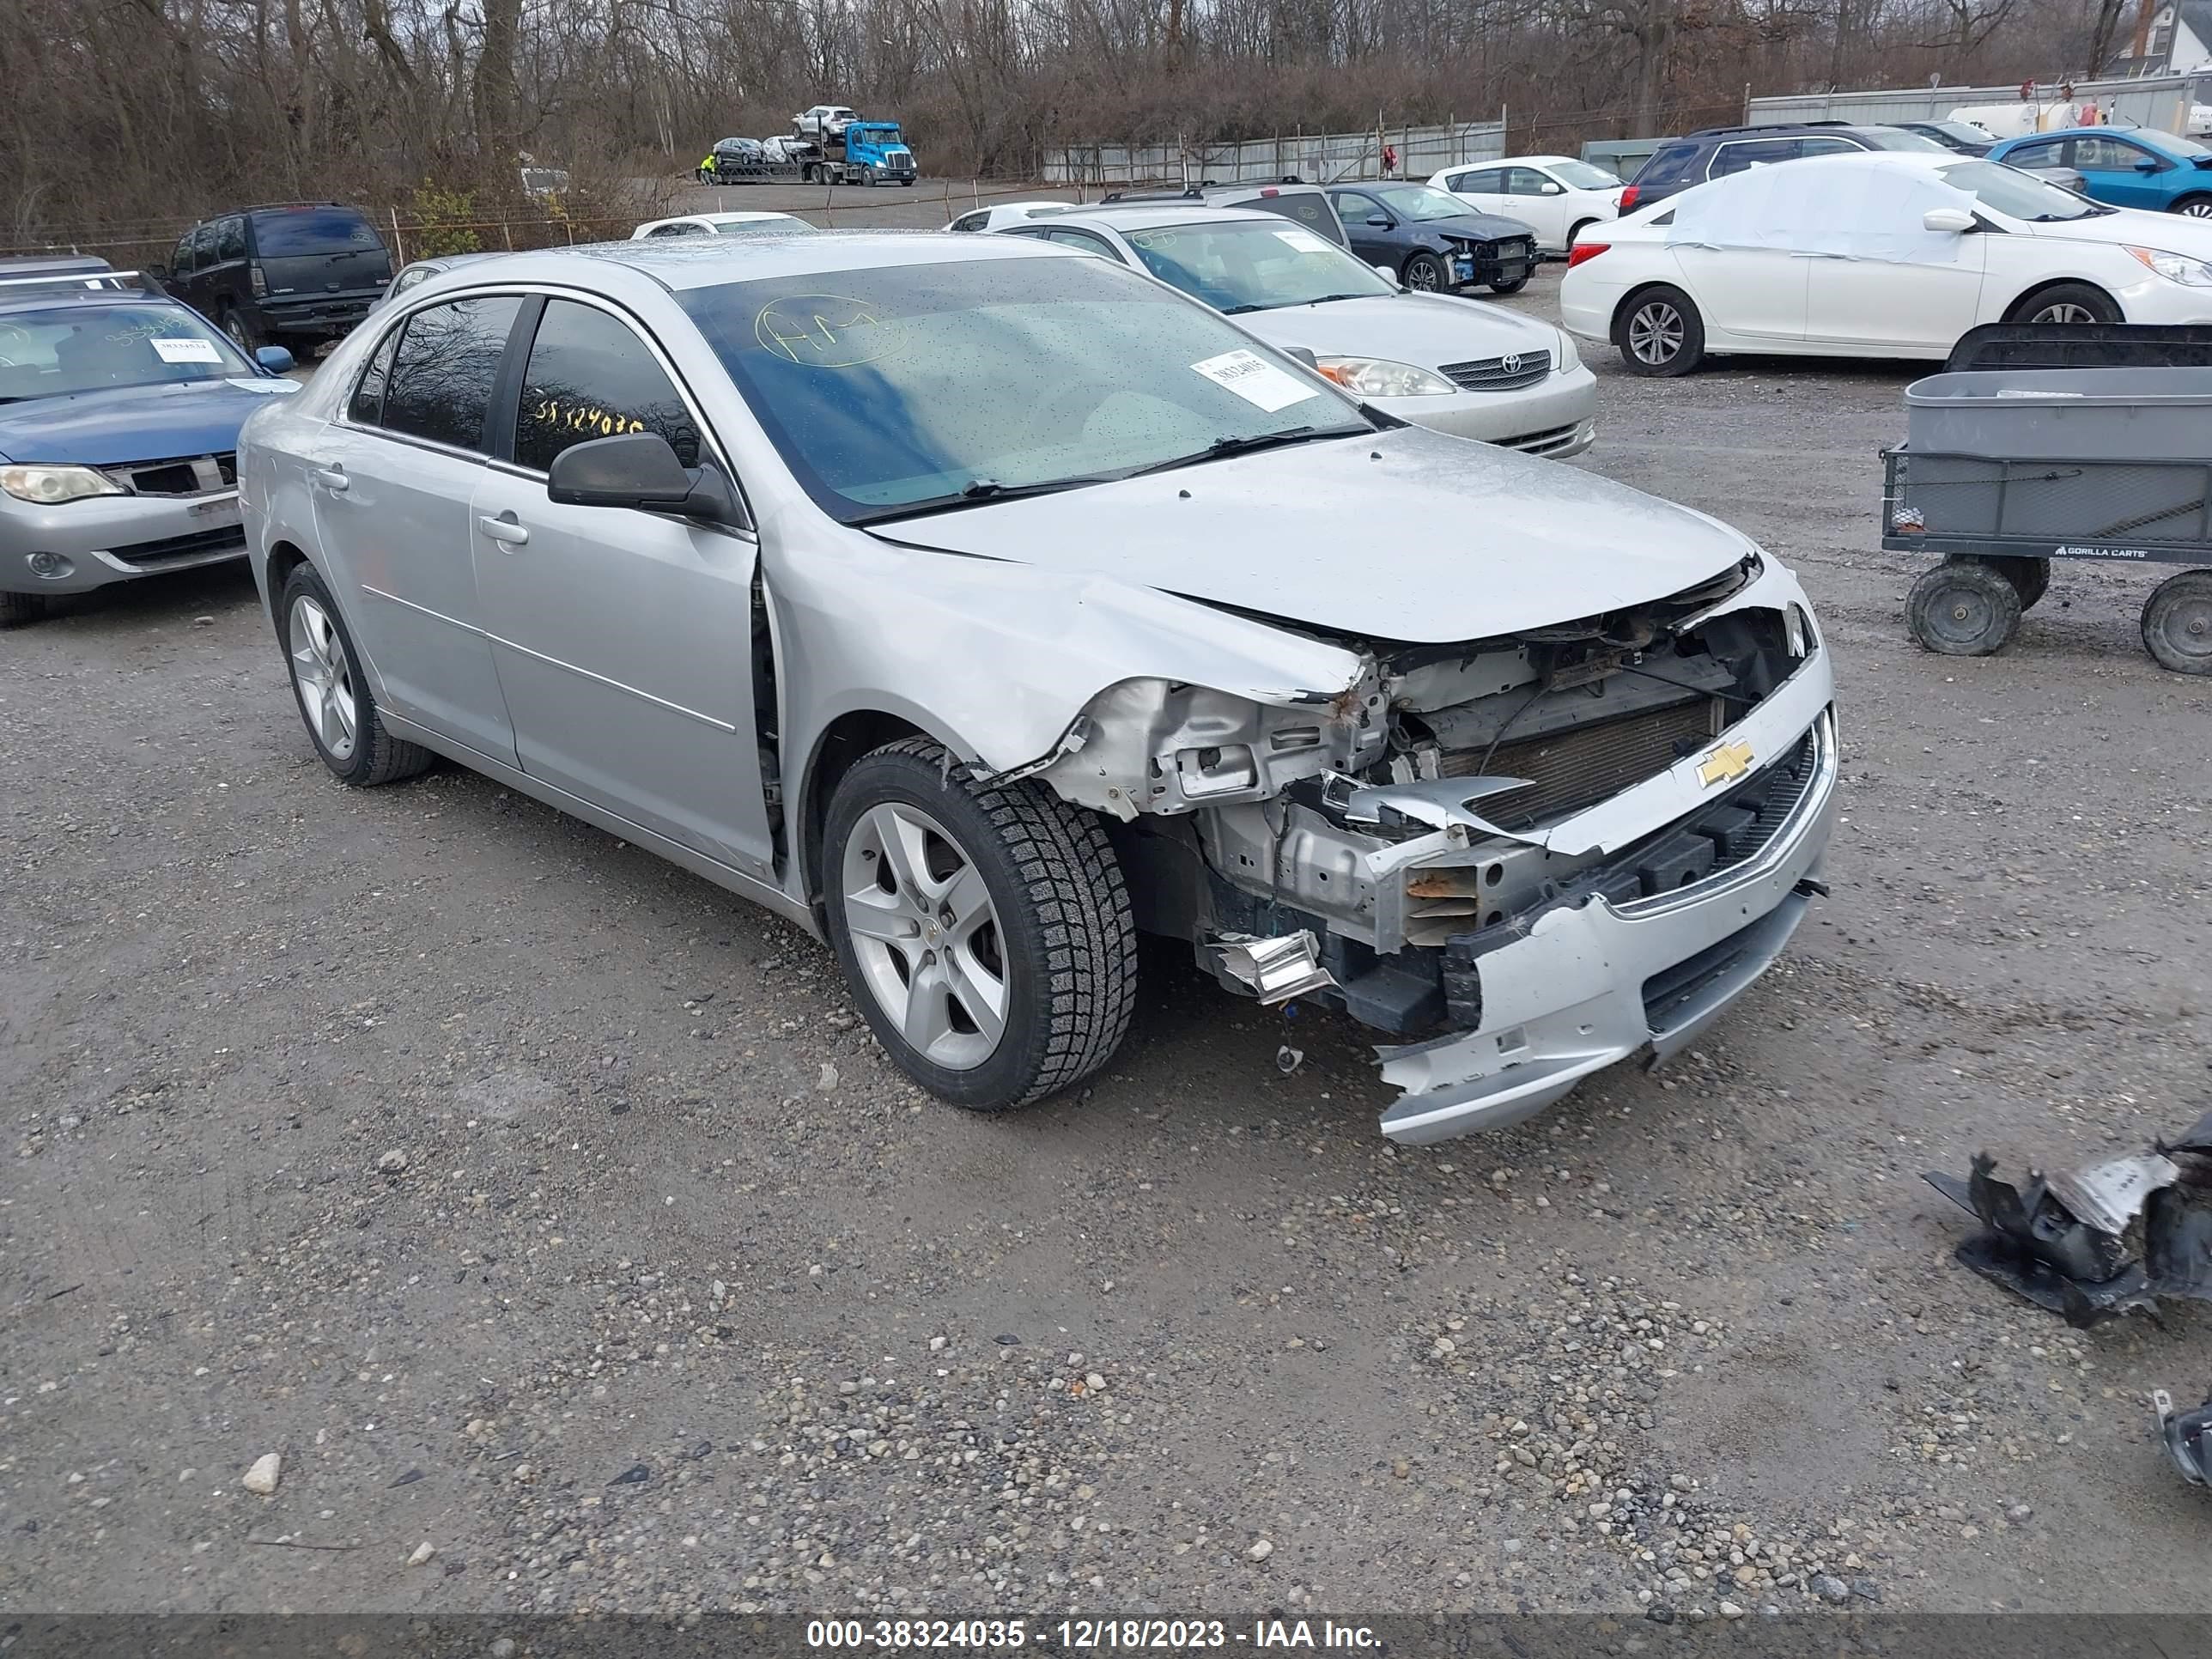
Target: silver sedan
{"type": "Point", "coordinates": [974, 604]}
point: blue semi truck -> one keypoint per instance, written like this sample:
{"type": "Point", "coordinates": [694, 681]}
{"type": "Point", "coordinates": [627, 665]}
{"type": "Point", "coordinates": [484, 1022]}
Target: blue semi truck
{"type": "Point", "coordinates": [845, 149]}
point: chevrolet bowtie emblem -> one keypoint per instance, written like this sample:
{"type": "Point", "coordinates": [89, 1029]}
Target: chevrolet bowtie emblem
{"type": "Point", "coordinates": [1725, 764]}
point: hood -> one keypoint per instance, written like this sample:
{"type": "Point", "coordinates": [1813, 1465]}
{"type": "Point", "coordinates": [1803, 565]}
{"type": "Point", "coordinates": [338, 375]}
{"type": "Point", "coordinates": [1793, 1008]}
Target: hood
{"type": "Point", "coordinates": [2169, 233]}
{"type": "Point", "coordinates": [1406, 534]}
{"type": "Point", "coordinates": [134, 424]}
{"type": "Point", "coordinates": [1427, 329]}
{"type": "Point", "coordinates": [1473, 227]}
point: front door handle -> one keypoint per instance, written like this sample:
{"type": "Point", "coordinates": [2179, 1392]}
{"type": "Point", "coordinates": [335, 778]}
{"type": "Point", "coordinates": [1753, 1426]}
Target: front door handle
{"type": "Point", "coordinates": [330, 477]}
{"type": "Point", "coordinates": [504, 529]}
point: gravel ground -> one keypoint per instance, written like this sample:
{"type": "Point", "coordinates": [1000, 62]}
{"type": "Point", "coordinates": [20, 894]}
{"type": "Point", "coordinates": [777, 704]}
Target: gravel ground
{"type": "Point", "coordinates": [549, 1216]}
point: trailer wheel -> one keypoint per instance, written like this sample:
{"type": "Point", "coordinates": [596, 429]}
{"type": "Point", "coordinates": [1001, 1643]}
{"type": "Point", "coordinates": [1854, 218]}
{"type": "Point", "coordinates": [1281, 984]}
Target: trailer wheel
{"type": "Point", "coordinates": [1963, 610]}
{"type": "Point", "coordinates": [2031, 577]}
{"type": "Point", "coordinates": [2177, 622]}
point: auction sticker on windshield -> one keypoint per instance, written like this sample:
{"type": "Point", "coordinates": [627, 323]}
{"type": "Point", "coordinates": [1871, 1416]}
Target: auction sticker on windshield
{"type": "Point", "coordinates": [185, 350]}
{"type": "Point", "coordinates": [1256, 380]}
{"type": "Point", "coordinates": [1305, 241]}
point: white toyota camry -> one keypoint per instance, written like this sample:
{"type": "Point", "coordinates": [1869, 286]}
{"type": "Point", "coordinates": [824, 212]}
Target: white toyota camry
{"type": "Point", "coordinates": [1891, 254]}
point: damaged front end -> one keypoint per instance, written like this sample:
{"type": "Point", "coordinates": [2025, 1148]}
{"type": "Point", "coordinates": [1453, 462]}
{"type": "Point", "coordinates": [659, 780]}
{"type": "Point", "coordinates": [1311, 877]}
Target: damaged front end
{"type": "Point", "coordinates": [1525, 857]}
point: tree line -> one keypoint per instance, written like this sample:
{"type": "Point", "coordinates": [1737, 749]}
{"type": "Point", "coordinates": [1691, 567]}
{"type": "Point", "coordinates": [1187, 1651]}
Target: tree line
{"type": "Point", "coordinates": [128, 113]}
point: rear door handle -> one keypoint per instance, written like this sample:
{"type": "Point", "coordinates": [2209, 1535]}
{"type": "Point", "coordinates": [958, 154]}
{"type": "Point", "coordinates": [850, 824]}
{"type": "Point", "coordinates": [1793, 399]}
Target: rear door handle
{"type": "Point", "coordinates": [504, 529]}
{"type": "Point", "coordinates": [330, 477]}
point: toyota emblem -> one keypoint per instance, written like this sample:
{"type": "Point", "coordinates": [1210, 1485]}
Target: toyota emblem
{"type": "Point", "coordinates": [1509, 363]}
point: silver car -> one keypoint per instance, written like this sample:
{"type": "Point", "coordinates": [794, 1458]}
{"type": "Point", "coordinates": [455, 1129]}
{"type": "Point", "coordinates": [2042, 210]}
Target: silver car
{"type": "Point", "coordinates": [976, 605]}
{"type": "Point", "coordinates": [1461, 366]}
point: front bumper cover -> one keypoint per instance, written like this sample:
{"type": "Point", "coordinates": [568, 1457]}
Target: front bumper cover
{"type": "Point", "coordinates": [116, 539]}
{"type": "Point", "coordinates": [1594, 983]}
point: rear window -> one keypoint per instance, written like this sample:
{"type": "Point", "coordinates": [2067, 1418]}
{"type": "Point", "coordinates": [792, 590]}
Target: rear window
{"type": "Point", "coordinates": [1309, 207]}
{"type": "Point", "coordinates": [297, 231]}
{"type": "Point", "coordinates": [1669, 165]}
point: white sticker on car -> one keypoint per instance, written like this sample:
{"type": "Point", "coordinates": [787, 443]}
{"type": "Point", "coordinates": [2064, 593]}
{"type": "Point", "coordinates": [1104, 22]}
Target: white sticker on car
{"type": "Point", "coordinates": [265, 388]}
{"type": "Point", "coordinates": [185, 350]}
{"type": "Point", "coordinates": [1256, 380]}
{"type": "Point", "coordinates": [1304, 240]}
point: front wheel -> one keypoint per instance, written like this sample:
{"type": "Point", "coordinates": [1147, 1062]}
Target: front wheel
{"type": "Point", "coordinates": [2194, 207]}
{"type": "Point", "coordinates": [1659, 332]}
{"type": "Point", "coordinates": [1425, 273]}
{"type": "Point", "coordinates": [984, 928]}
{"type": "Point", "coordinates": [339, 710]}
{"type": "Point", "coordinates": [17, 608]}
{"type": "Point", "coordinates": [2068, 302]}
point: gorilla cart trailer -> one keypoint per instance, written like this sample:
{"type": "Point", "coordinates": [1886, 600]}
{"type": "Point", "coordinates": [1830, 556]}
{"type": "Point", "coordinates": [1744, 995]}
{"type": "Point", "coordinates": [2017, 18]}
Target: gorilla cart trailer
{"type": "Point", "coordinates": [2043, 441]}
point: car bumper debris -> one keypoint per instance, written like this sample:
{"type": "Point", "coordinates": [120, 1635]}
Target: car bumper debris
{"type": "Point", "coordinates": [2090, 1245]}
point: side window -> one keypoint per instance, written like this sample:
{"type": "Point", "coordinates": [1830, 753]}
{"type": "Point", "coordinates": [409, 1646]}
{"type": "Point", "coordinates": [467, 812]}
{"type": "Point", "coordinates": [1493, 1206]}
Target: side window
{"type": "Point", "coordinates": [440, 385]}
{"type": "Point", "coordinates": [974, 221]}
{"type": "Point", "coordinates": [2045, 154]}
{"type": "Point", "coordinates": [676, 230]}
{"type": "Point", "coordinates": [180, 262]}
{"type": "Point", "coordinates": [590, 376]}
{"type": "Point", "coordinates": [1309, 207]}
{"type": "Point", "coordinates": [1491, 181]}
{"type": "Point", "coordinates": [1089, 241]}
{"type": "Point", "coordinates": [1826, 147]}
{"type": "Point", "coordinates": [1750, 153]}
{"type": "Point", "coordinates": [230, 239]}
{"type": "Point", "coordinates": [2110, 155]}
{"type": "Point", "coordinates": [1355, 209]}
{"type": "Point", "coordinates": [204, 247]}
{"type": "Point", "coordinates": [366, 406]}
{"type": "Point", "coordinates": [1668, 165]}
{"type": "Point", "coordinates": [413, 277]}
{"type": "Point", "coordinates": [1527, 181]}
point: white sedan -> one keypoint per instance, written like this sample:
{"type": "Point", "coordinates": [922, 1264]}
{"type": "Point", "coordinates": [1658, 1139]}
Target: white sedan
{"type": "Point", "coordinates": [1000, 214]}
{"type": "Point", "coordinates": [1882, 254]}
{"type": "Point", "coordinates": [1559, 196]}
{"type": "Point", "coordinates": [720, 224]}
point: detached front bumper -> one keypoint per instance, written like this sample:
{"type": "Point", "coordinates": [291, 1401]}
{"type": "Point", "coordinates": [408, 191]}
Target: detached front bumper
{"type": "Point", "coordinates": [1588, 985]}
{"type": "Point", "coordinates": [81, 546]}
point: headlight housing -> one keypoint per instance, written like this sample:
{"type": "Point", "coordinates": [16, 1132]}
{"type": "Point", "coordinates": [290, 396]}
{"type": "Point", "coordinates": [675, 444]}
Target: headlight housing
{"type": "Point", "coordinates": [1569, 358]}
{"type": "Point", "coordinates": [1378, 377]}
{"type": "Point", "coordinates": [50, 486]}
{"type": "Point", "coordinates": [2176, 267]}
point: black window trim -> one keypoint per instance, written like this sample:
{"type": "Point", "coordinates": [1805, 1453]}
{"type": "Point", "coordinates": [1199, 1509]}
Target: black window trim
{"type": "Point", "coordinates": [343, 415]}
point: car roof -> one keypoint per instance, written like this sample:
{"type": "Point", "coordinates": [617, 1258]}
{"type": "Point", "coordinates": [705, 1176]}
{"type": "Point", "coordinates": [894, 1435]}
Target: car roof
{"type": "Point", "coordinates": [1517, 162]}
{"type": "Point", "coordinates": [678, 264]}
{"type": "Point", "coordinates": [1158, 216]}
{"type": "Point", "coordinates": [2142, 134]}
{"type": "Point", "coordinates": [59, 298]}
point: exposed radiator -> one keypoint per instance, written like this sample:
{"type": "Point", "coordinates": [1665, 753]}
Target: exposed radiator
{"type": "Point", "coordinates": [1571, 770]}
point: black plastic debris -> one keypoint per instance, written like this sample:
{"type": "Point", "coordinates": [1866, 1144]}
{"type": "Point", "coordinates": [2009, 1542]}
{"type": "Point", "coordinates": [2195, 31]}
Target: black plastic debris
{"type": "Point", "coordinates": [2188, 1436]}
{"type": "Point", "coordinates": [2091, 1243]}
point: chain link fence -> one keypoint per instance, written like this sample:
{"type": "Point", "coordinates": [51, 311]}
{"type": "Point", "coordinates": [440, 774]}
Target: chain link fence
{"type": "Point", "coordinates": [1319, 157]}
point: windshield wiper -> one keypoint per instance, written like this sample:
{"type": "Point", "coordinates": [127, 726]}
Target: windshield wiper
{"type": "Point", "coordinates": [1326, 299]}
{"type": "Point", "coordinates": [974, 493]}
{"type": "Point", "coordinates": [1222, 448]}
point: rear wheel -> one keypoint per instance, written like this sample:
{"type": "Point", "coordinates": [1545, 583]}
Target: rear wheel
{"type": "Point", "coordinates": [1425, 273]}
{"type": "Point", "coordinates": [242, 332]}
{"type": "Point", "coordinates": [2177, 622]}
{"type": "Point", "coordinates": [17, 608]}
{"type": "Point", "coordinates": [1962, 609]}
{"type": "Point", "coordinates": [1513, 287]}
{"type": "Point", "coordinates": [2067, 302]}
{"type": "Point", "coordinates": [335, 703]}
{"type": "Point", "coordinates": [984, 928]}
{"type": "Point", "coordinates": [1660, 332]}
{"type": "Point", "coordinates": [2195, 207]}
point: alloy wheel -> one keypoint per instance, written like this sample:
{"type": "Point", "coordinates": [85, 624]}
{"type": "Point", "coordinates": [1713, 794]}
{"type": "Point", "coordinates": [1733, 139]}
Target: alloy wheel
{"type": "Point", "coordinates": [925, 934]}
{"type": "Point", "coordinates": [1655, 333]}
{"type": "Point", "coordinates": [1421, 277]}
{"type": "Point", "coordinates": [323, 675]}
{"type": "Point", "coordinates": [2065, 312]}
{"type": "Point", "coordinates": [234, 326]}
{"type": "Point", "coordinates": [2198, 209]}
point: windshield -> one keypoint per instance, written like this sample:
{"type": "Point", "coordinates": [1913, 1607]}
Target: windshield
{"type": "Point", "coordinates": [1583, 176]}
{"type": "Point", "coordinates": [1419, 201]}
{"type": "Point", "coordinates": [1963, 133]}
{"type": "Point", "coordinates": [297, 231]}
{"type": "Point", "coordinates": [2019, 195]}
{"type": "Point", "coordinates": [901, 389]}
{"type": "Point", "coordinates": [54, 354]}
{"type": "Point", "coordinates": [1245, 266]}
{"type": "Point", "coordinates": [2171, 143]}
{"type": "Point", "coordinates": [1897, 138]}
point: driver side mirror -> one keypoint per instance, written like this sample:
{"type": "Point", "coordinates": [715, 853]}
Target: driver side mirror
{"type": "Point", "coordinates": [639, 469]}
{"type": "Point", "coordinates": [1955, 222]}
{"type": "Point", "coordinates": [1381, 220]}
{"type": "Point", "coordinates": [275, 359]}
{"type": "Point", "coordinates": [2147, 165]}
{"type": "Point", "coordinates": [158, 272]}
{"type": "Point", "coordinates": [1387, 275]}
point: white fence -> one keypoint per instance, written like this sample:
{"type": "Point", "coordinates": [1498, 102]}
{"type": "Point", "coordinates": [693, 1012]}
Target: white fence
{"type": "Point", "coordinates": [1320, 157]}
{"type": "Point", "coordinates": [2161, 101]}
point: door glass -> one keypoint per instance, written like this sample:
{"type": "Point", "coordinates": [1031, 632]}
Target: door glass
{"type": "Point", "coordinates": [204, 247]}
{"type": "Point", "coordinates": [1826, 147]}
{"type": "Point", "coordinates": [1525, 181]}
{"type": "Point", "coordinates": [1356, 209]}
{"type": "Point", "coordinates": [440, 385]}
{"type": "Point", "coordinates": [180, 262]}
{"type": "Point", "coordinates": [590, 376]}
{"type": "Point", "coordinates": [230, 239]}
{"type": "Point", "coordinates": [1491, 181]}
{"type": "Point", "coordinates": [1754, 153]}
{"type": "Point", "coordinates": [2107, 155]}
{"type": "Point", "coordinates": [1087, 240]}
{"type": "Point", "coordinates": [366, 407]}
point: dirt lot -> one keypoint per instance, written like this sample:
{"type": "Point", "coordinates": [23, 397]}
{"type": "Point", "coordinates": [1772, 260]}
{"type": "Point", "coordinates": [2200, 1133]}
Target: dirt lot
{"type": "Point", "coordinates": [538, 1202]}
